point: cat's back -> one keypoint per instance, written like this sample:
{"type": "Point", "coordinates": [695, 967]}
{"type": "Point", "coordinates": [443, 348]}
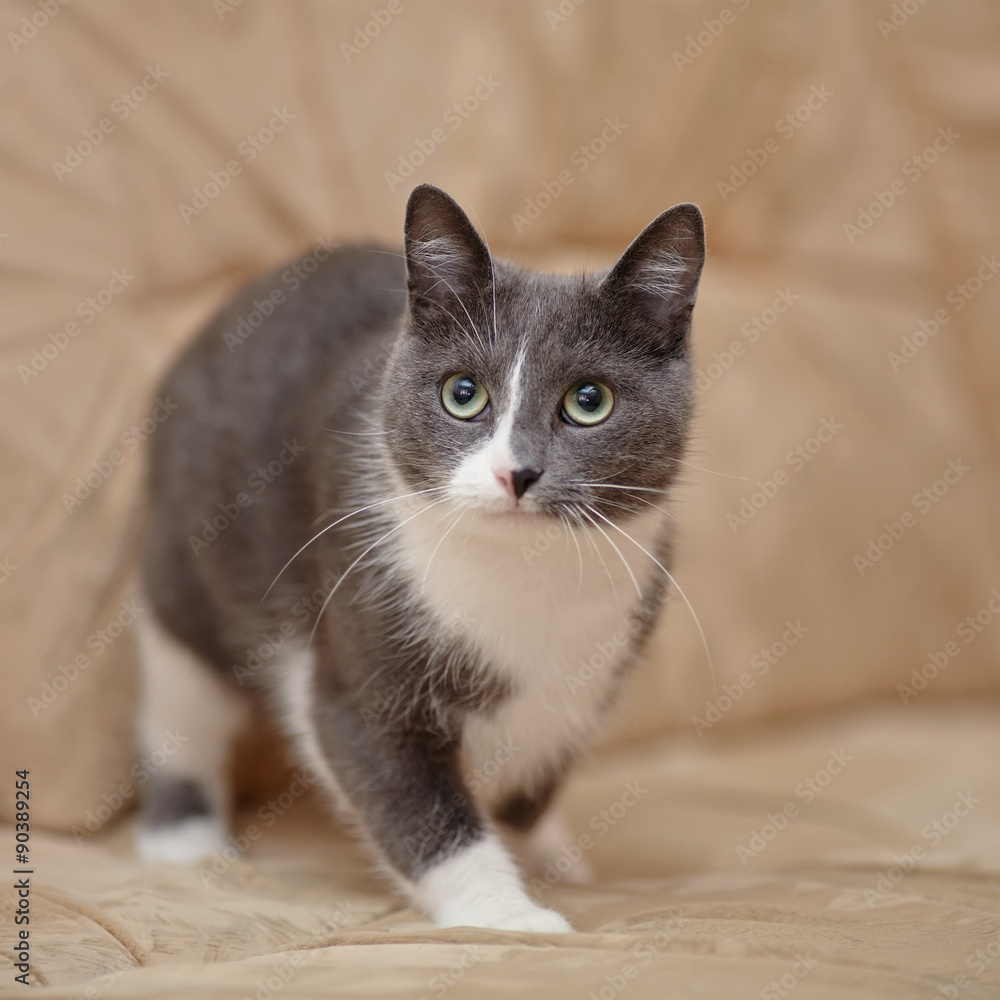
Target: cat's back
{"type": "Point", "coordinates": [227, 471]}
{"type": "Point", "coordinates": [263, 348]}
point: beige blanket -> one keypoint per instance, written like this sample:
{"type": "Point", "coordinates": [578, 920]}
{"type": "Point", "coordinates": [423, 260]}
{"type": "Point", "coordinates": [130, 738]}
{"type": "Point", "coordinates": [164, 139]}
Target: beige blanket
{"type": "Point", "coordinates": [853, 857]}
{"type": "Point", "coordinates": [840, 533]}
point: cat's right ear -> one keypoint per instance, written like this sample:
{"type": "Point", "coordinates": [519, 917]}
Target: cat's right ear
{"type": "Point", "coordinates": [657, 276]}
{"type": "Point", "coordinates": [446, 258]}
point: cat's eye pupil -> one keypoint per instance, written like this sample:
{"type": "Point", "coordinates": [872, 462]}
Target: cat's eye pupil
{"type": "Point", "coordinates": [463, 391]}
{"type": "Point", "coordinates": [589, 397]}
{"type": "Point", "coordinates": [588, 404]}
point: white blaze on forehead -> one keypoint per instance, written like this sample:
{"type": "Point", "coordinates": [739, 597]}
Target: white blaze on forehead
{"type": "Point", "coordinates": [503, 449]}
{"type": "Point", "coordinates": [475, 478]}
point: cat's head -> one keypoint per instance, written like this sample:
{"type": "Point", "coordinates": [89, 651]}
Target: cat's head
{"type": "Point", "coordinates": [513, 393]}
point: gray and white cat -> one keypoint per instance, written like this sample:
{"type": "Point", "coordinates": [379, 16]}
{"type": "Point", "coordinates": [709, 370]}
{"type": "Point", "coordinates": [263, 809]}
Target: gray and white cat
{"type": "Point", "coordinates": [447, 475]}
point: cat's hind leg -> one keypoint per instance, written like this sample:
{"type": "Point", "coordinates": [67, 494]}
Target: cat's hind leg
{"type": "Point", "coordinates": [542, 838]}
{"type": "Point", "coordinates": [552, 845]}
{"type": "Point", "coordinates": [187, 721]}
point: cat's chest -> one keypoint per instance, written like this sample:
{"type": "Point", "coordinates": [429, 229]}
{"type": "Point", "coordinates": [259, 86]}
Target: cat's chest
{"type": "Point", "coordinates": [550, 613]}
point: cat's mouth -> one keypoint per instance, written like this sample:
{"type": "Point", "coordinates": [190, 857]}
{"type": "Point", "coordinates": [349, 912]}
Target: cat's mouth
{"type": "Point", "coordinates": [512, 510]}
{"type": "Point", "coordinates": [519, 514]}
{"type": "Point", "coordinates": [575, 509]}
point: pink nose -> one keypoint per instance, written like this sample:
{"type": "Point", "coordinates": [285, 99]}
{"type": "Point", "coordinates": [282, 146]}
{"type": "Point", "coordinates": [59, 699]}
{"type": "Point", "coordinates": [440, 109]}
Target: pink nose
{"type": "Point", "coordinates": [517, 481]}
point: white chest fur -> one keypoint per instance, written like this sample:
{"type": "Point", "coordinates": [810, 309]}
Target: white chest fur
{"type": "Point", "coordinates": [549, 611]}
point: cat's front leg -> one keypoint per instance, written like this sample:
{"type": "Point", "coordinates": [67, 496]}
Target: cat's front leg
{"type": "Point", "coordinates": [405, 784]}
{"type": "Point", "coordinates": [478, 885]}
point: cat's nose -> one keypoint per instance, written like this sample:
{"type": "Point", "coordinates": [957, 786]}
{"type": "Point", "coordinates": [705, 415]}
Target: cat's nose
{"type": "Point", "coordinates": [518, 481]}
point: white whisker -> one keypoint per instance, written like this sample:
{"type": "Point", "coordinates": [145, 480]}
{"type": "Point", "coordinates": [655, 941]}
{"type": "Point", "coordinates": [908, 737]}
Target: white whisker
{"type": "Point", "coordinates": [454, 524]}
{"type": "Point", "coordinates": [476, 338]}
{"type": "Point", "coordinates": [704, 641]}
{"type": "Point", "coordinates": [444, 281]}
{"type": "Point", "coordinates": [570, 533]}
{"type": "Point", "coordinates": [360, 510]}
{"type": "Point", "coordinates": [493, 275]}
{"type": "Point", "coordinates": [346, 573]}
{"type": "Point", "coordinates": [647, 489]}
{"type": "Point", "coordinates": [590, 538]}
{"type": "Point", "coordinates": [331, 430]}
{"type": "Point", "coordinates": [616, 486]}
{"type": "Point", "coordinates": [635, 582]}
{"type": "Point", "coordinates": [711, 472]}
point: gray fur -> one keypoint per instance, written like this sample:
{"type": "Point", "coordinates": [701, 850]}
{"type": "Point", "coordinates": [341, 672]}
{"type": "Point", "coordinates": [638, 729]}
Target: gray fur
{"type": "Point", "coordinates": [344, 381]}
{"type": "Point", "coordinates": [168, 799]}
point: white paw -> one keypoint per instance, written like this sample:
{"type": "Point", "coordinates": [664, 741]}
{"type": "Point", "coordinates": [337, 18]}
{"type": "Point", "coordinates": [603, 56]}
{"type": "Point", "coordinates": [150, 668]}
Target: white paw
{"type": "Point", "coordinates": [183, 843]}
{"type": "Point", "coordinates": [535, 919]}
{"type": "Point", "coordinates": [479, 886]}
{"type": "Point", "coordinates": [515, 914]}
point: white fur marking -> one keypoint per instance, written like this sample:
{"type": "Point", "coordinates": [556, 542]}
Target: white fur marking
{"type": "Point", "coordinates": [181, 695]}
{"type": "Point", "coordinates": [479, 886]}
{"type": "Point", "coordinates": [526, 611]}
{"type": "Point", "coordinates": [296, 701]}
{"type": "Point", "coordinates": [183, 843]}
{"type": "Point", "coordinates": [477, 478]}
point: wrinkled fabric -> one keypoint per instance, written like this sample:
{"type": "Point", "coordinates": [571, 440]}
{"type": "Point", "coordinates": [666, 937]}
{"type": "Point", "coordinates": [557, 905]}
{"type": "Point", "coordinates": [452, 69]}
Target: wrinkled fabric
{"type": "Point", "coordinates": [838, 512]}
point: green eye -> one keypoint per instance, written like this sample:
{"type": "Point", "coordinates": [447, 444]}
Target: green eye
{"type": "Point", "coordinates": [464, 397]}
{"type": "Point", "coordinates": [588, 403]}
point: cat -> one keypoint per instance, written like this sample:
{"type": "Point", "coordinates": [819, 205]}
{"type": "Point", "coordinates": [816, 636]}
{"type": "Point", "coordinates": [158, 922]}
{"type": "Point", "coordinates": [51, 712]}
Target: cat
{"type": "Point", "coordinates": [408, 509]}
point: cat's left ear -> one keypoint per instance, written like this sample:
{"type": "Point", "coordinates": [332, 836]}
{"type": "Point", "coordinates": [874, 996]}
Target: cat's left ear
{"type": "Point", "coordinates": [658, 274]}
{"type": "Point", "coordinates": [445, 256]}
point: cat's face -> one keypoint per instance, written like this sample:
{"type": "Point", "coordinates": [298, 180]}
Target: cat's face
{"type": "Point", "coordinates": [516, 393]}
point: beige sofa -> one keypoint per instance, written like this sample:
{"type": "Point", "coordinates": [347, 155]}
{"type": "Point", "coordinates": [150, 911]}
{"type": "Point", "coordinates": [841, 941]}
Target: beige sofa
{"type": "Point", "coordinates": [822, 822]}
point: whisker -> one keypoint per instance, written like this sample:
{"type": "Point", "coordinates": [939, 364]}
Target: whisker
{"type": "Point", "coordinates": [616, 486]}
{"type": "Point", "coordinates": [493, 275]}
{"type": "Point", "coordinates": [629, 510]}
{"type": "Point", "coordinates": [472, 322]}
{"type": "Point", "coordinates": [617, 472]}
{"type": "Point", "coordinates": [454, 524]}
{"type": "Point", "coordinates": [570, 533]}
{"type": "Point", "coordinates": [635, 582]}
{"type": "Point", "coordinates": [360, 510]}
{"type": "Point", "coordinates": [331, 430]}
{"type": "Point", "coordinates": [593, 544]}
{"type": "Point", "coordinates": [477, 339]}
{"type": "Point", "coordinates": [663, 510]}
{"type": "Point", "coordinates": [346, 573]}
{"type": "Point", "coordinates": [711, 472]}
{"type": "Point", "coordinates": [481, 346]}
{"type": "Point", "coordinates": [704, 641]}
